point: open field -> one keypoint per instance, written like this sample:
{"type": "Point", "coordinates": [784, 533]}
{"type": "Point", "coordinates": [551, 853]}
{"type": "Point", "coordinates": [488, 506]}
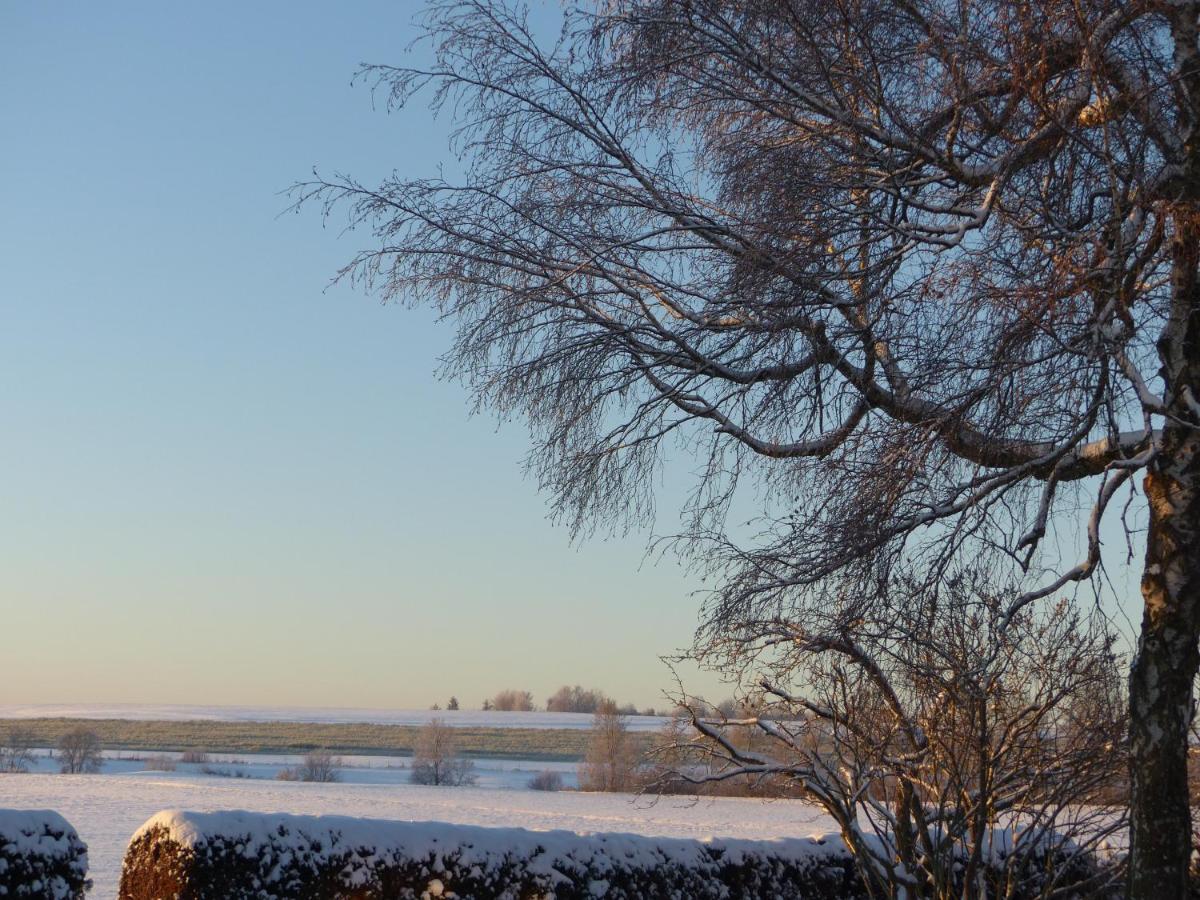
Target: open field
{"type": "Point", "coordinates": [107, 809]}
{"type": "Point", "coordinates": [172, 712]}
{"type": "Point", "coordinates": [299, 737]}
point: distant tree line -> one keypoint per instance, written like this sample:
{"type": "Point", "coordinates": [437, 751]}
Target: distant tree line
{"type": "Point", "coordinates": [575, 699]}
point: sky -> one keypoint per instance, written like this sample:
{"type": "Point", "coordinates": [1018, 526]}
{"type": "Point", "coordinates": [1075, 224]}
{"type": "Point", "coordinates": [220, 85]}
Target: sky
{"type": "Point", "coordinates": [223, 481]}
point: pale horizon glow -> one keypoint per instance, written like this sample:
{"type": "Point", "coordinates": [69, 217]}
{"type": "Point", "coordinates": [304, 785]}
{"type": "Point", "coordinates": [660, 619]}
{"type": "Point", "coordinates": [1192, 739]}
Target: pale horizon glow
{"type": "Point", "coordinates": [224, 484]}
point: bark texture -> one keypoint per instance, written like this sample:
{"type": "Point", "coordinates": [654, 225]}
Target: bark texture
{"type": "Point", "coordinates": [1164, 670]}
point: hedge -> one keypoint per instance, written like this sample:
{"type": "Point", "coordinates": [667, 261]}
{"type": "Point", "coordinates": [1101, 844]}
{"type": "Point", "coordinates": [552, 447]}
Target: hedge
{"type": "Point", "coordinates": [240, 855]}
{"type": "Point", "coordinates": [41, 856]}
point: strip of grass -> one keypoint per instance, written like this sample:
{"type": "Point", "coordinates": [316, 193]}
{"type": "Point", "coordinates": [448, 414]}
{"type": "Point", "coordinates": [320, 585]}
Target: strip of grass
{"type": "Point", "coordinates": [300, 737]}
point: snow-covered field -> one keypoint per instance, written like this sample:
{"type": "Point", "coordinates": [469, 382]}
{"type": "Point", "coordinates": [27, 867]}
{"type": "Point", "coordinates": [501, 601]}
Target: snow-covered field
{"type": "Point", "coordinates": [173, 713]}
{"type": "Point", "coordinates": [107, 809]}
{"type": "Point", "coordinates": [509, 774]}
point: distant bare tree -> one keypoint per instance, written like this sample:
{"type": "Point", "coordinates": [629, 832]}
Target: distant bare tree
{"type": "Point", "coordinates": [513, 701]}
{"type": "Point", "coordinates": [79, 752]}
{"type": "Point", "coordinates": [320, 765]}
{"type": "Point", "coordinates": [436, 760]}
{"type": "Point", "coordinates": [964, 754]}
{"type": "Point", "coordinates": [575, 700]}
{"type": "Point", "coordinates": [452, 704]}
{"type": "Point", "coordinates": [16, 750]}
{"type": "Point", "coordinates": [611, 761]}
{"type": "Point", "coordinates": [317, 765]}
{"type": "Point", "coordinates": [928, 271]}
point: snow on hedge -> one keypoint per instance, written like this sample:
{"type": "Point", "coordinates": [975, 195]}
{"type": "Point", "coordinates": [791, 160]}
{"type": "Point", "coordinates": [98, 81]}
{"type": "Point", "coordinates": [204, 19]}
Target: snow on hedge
{"type": "Point", "coordinates": [41, 856]}
{"type": "Point", "coordinates": [242, 855]}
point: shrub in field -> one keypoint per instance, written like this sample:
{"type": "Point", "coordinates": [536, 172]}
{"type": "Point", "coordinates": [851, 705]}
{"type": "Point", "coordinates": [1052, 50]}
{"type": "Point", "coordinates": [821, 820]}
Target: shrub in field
{"type": "Point", "coordinates": [319, 765]}
{"type": "Point", "coordinates": [160, 763]}
{"type": "Point", "coordinates": [546, 781]}
{"type": "Point", "coordinates": [230, 773]}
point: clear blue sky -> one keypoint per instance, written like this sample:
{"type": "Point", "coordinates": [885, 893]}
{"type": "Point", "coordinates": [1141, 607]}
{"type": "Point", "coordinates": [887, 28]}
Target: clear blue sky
{"type": "Point", "coordinates": [221, 482]}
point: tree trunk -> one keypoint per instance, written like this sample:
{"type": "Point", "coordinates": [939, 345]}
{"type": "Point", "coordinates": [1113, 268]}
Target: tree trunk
{"type": "Point", "coordinates": [1160, 684]}
{"type": "Point", "coordinates": [1160, 693]}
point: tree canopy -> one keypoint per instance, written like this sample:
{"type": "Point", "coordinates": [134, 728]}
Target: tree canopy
{"type": "Point", "coordinates": [924, 270]}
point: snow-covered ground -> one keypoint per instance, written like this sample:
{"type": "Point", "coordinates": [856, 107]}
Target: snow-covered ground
{"type": "Point", "coordinates": [173, 713]}
{"type": "Point", "coordinates": [508, 774]}
{"type": "Point", "coordinates": [107, 809]}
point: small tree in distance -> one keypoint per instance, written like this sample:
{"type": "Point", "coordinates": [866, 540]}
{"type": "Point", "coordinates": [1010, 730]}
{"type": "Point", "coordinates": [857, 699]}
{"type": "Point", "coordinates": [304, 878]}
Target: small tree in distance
{"type": "Point", "coordinates": [79, 752]}
{"type": "Point", "coordinates": [611, 762]}
{"type": "Point", "coordinates": [16, 751]}
{"type": "Point", "coordinates": [320, 765]}
{"type": "Point", "coordinates": [575, 700]}
{"type": "Point", "coordinates": [436, 760]}
{"type": "Point", "coordinates": [513, 701]}
{"type": "Point", "coordinates": [452, 704]}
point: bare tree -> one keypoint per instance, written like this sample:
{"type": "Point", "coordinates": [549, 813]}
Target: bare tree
{"type": "Point", "coordinates": [317, 765]}
{"type": "Point", "coordinates": [926, 270]}
{"type": "Point", "coordinates": [576, 700]}
{"type": "Point", "coordinates": [436, 759]}
{"type": "Point", "coordinates": [79, 752]}
{"type": "Point", "coordinates": [513, 701]}
{"type": "Point", "coordinates": [611, 761]}
{"type": "Point", "coordinates": [964, 754]}
{"type": "Point", "coordinates": [16, 750]}
{"type": "Point", "coordinates": [320, 765]}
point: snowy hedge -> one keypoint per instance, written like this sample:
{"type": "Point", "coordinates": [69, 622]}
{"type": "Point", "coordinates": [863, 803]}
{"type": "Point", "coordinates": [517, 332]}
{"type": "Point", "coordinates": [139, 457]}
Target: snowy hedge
{"type": "Point", "coordinates": [237, 855]}
{"type": "Point", "coordinates": [41, 856]}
